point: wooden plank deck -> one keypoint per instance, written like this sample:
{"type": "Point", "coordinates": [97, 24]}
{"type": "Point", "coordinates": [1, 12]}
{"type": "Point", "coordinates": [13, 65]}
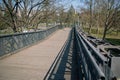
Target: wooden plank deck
{"type": "Point", "coordinates": [33, 63]}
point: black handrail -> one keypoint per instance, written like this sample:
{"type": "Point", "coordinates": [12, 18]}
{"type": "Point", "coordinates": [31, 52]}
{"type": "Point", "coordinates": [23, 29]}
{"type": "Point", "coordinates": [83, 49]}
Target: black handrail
{"type": "Point", "coordinates": [95, 53]}
{"type": "Point", "coordinates": [91, 69]}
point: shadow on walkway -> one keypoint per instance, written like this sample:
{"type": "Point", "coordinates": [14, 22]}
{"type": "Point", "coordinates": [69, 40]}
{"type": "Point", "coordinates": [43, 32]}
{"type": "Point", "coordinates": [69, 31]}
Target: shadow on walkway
{"type": "Point", "coordinates": [66, 67]}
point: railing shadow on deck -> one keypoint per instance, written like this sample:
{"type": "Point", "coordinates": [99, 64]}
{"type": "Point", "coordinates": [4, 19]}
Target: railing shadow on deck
{"type": "Point", "coordinates": [64, 66]}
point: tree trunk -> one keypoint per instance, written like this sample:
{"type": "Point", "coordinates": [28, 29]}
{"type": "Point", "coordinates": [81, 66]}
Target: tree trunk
{"type": "Point", "coordinates": [97, 32]}
{"type": "Point", "coordinates": [117, 32]}
{"type": "Point", "coordinates": [46, 23]}
{"type": "Point", "coordinates": [14, 28]}
{"type": "Point", "coordinates": [104, 33]}
{"type": "Point", "coordinates": [46, 16]}
{"type": "Point", "coordinates": [90, 24]}
{"type": "Point", "coordinates": [11, 14]}
{"type": "Point", "coordinates": [89, 31]}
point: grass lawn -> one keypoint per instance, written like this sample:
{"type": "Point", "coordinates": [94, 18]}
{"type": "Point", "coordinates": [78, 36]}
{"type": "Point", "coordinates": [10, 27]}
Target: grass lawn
{"type": "Point", "coordinates": [113, 41]}
{"type": "Point", "coordinates": [111, 37]}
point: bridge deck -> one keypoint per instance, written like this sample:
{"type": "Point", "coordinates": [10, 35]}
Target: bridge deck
{"type": "Point", "coordinates": [34, 62]}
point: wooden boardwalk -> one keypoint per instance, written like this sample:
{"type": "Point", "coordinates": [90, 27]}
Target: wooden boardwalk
{"type": "Point", "coordinates": [33, 63]}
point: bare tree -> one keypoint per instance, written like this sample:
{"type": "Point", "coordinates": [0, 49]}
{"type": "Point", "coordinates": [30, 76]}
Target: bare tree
{"type": "Point", "coordinates": [111, 15]}
{"type": "Point", "coordinates": [23, 13]}
{"type": "Point", "coordinates": [103, 13]}
{"type": "Point", "coordinates": [11, 9]}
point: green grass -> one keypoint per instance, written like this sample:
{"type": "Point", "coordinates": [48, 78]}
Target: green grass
{"type": "Point", "coordinates": [112, 37]}
{"type": "Point", "coordinates": [113, 41]}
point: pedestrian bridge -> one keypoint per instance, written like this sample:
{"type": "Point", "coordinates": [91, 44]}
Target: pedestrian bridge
{"type": "Point", "coordinates": [63, 55]}
{"type": "Point", "coordinates": [32, 63]}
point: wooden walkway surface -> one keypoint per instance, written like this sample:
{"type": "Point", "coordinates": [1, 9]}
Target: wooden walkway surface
{"type": "Point", "coordinates": [33, 63]}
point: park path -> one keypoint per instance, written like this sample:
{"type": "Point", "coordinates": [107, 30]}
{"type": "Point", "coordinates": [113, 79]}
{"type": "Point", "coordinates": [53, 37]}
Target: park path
{"type": "Point", "coordinates": [33, 63]}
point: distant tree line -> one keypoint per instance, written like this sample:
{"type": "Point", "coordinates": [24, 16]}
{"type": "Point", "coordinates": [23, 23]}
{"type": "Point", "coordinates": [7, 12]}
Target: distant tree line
{"type": "Point", "coordinates": [21, 14]}
{"type": "Point", "coordinates": [28, 14]}
{"type": "Point", "coordinates": [101, 13]}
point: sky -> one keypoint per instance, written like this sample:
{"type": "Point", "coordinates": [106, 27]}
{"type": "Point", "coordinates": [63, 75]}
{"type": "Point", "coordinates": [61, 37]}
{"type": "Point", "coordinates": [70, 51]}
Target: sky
{"type": "Point", "coordinates": [77, 4]}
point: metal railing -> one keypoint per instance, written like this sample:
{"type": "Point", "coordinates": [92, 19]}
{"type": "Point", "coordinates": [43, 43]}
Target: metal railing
{"type": "Point", "coordinates": [92, 65]}
{"type": "Point", "coordinates": [13, 42]}
{"type": "Point", "coordinates": [87, 62]}
{"type": "Point", "coordinates": [91, 61]}
{"type": "Point", "coordinates": [95, 65]}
